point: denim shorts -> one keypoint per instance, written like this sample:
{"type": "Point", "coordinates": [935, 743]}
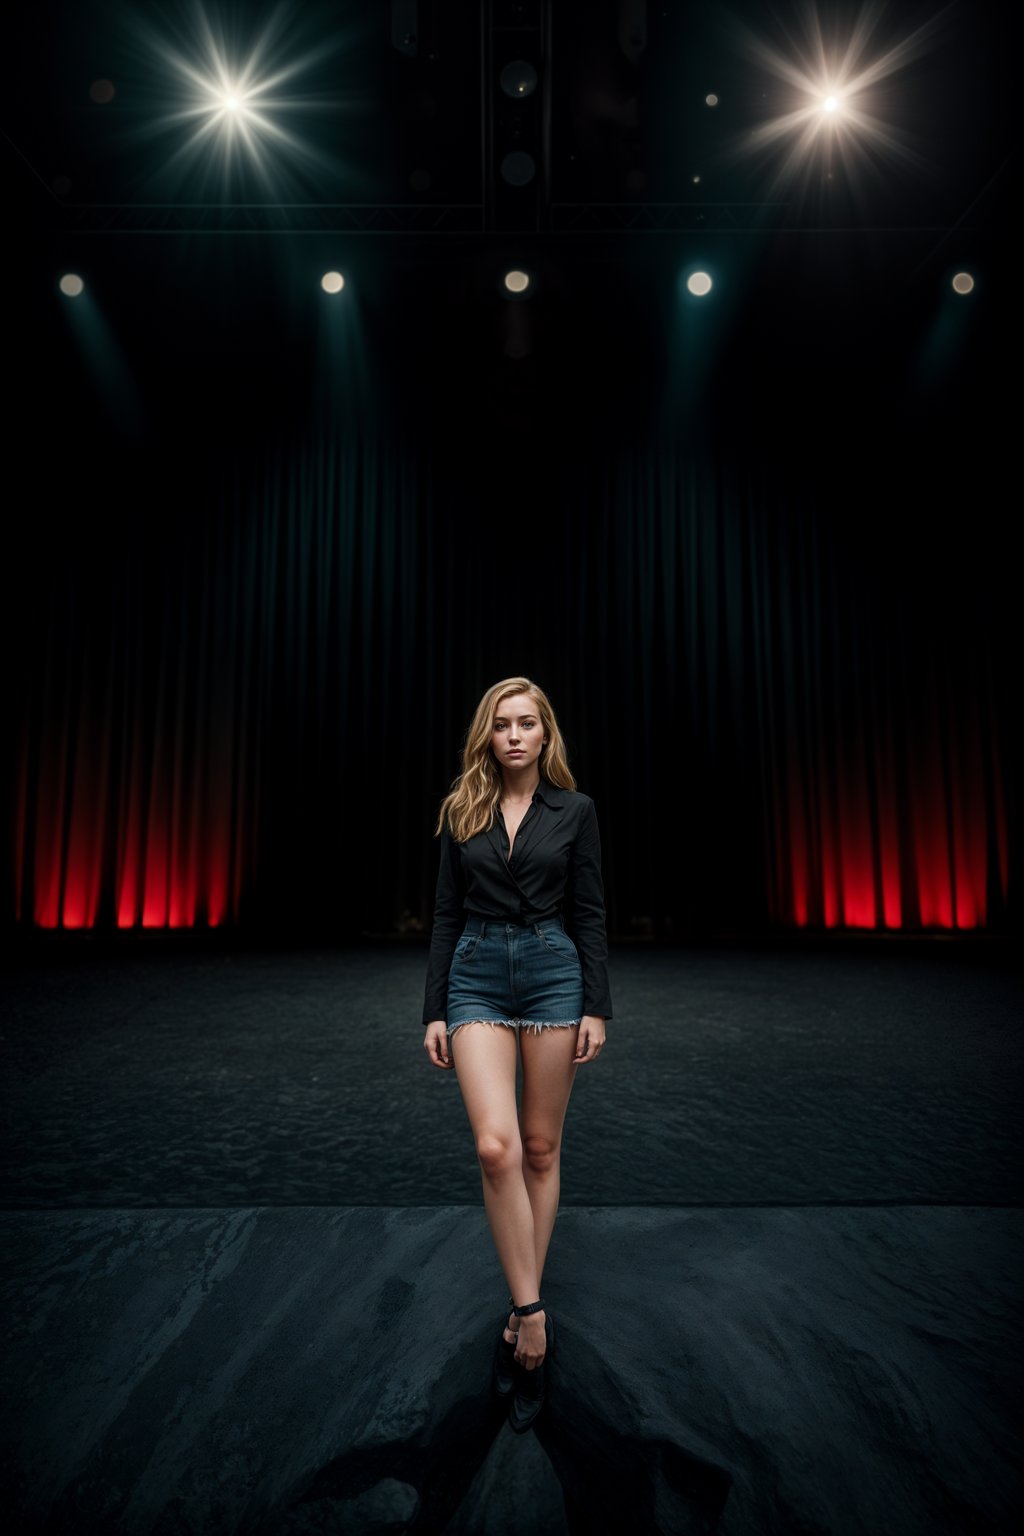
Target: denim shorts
{"type": "Point", "coordinates": [520, 974]}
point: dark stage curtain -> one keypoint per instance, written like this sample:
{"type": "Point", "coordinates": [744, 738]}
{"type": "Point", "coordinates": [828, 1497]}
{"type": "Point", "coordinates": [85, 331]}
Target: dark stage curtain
{"type": "Point", "coordinates": [786, 684]}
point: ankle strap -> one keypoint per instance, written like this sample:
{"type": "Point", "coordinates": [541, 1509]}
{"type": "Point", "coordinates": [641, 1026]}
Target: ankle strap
{"type": "Point", "coordinates": [535, 1306]}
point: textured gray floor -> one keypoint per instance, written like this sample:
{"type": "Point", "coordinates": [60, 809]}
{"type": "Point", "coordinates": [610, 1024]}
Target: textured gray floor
{"type": "Point", "coordinates": [769, 1372]}
{"type": "Point", "coordinates": [160, 1075]}
{"type": "Point", "coordinates": [324, 1366]}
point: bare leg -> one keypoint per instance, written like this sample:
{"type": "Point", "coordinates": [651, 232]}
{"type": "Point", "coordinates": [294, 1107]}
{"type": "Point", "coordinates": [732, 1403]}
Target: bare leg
{"type": "Point", "coordinates": [484, 1056]}
{"type": "Point", "coordinates": [548, 1076]}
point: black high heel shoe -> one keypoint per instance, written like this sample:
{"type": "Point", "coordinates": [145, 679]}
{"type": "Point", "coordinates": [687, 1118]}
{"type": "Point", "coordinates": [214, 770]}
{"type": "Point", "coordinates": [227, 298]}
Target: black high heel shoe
{"type": "Point", "coordinates": [504, 1361]}
{"type": "Point", "coordinates": [531, 1386]}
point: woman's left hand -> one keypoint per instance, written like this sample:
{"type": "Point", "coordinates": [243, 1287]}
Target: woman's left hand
{"type": "Point", "coordinates": [590, 1039]}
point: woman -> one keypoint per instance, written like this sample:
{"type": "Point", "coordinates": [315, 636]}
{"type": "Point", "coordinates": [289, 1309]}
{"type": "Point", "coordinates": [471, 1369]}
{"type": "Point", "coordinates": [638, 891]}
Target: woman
{"type": "Point", "coordinates": [520, 851]}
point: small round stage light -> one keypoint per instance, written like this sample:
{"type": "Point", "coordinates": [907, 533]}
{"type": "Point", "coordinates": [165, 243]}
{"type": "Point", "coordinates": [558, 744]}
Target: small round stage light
{"type": "Point", "coordinates": [963, 282]}
{"type": "Point", "coordinates": [71, 284]}
{"type": "Point", "coordinates": [519, 79]}
{"type": "Point", "coordinates": [699, 283]}
{"type": "Point", "coordinates": [518, 168]}
{"type": "Point", "coordinates": [332, 282]}
{"type": "Point", "coordinates": [516, 281]}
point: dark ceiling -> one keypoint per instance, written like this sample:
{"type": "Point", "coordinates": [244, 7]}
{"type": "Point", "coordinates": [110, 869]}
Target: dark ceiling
{"type": "Point", "coordinates": [377, 149]}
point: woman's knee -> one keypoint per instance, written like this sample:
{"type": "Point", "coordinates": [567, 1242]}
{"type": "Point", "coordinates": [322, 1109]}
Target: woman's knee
{"type": "Point", "coordinates": [499, 1152]}
{"type": "Point", "coordinates": [541, 1150]}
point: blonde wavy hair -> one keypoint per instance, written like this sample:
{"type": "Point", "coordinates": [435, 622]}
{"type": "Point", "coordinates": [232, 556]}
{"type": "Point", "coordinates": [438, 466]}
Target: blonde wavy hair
{"type": "Point", "coordinates": [470, 806]}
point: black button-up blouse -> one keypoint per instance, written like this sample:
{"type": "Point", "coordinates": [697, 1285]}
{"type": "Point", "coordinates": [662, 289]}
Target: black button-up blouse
{"type": "Point", "coordinates": [555, 869]}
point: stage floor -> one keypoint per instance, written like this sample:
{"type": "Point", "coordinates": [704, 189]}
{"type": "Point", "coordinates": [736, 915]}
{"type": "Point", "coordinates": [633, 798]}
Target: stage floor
{"type": "Point", "coordinates": [769, 1371]}
{"type": "Point", "coordinates": [169, 1074]}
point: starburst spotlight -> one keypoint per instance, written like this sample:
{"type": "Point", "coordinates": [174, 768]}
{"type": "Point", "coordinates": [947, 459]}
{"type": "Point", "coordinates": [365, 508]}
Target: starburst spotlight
{"type": "Point", "coordinates": [231, 102]}
{"type": "Point", "coordinates": [228, 95]}
{"type": "Point", "coordinates": [827, 89]}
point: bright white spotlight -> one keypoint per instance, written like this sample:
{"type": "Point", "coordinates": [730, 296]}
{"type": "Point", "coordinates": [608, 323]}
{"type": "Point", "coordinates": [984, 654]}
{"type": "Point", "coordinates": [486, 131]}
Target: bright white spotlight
{"type": "Point", "coordinates": [963, 282]}
{"type": "Point", "coordinates": [220, 93]}
{"type": "Point", "coordinates": [699, 283]}
{"type": "Point", "coordinates": [332, 282]}
{"type": "Point", "coordinates": [828, 88]}
{"type": "Point", "coordinates": [230, 101]}
{"type": "Point", "coordinates": [516, 282]}
{"type": "Point", "coordinates": [71, 284]}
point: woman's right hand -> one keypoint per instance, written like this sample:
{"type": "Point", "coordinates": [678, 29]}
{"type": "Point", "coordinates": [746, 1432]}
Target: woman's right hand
{"type": "Point", "coordinates": [435, 1043]}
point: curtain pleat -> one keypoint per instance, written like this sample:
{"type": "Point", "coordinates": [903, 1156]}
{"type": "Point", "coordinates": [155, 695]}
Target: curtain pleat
{"type": "Point", "coordinates": [250, 713]}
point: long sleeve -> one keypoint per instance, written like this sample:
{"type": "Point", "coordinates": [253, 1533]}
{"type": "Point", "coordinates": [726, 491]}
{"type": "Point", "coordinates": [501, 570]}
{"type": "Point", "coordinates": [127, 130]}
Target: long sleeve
{"type": "Point", "coordinates": [449, 921]}
{"type": "Point", "coordinates": [585, 914]}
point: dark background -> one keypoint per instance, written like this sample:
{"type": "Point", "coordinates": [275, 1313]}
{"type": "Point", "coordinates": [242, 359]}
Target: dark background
{"type": "Point", "coordinates": [266, 548]}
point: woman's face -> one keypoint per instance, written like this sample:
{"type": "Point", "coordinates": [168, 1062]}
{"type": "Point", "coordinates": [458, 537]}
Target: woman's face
{"type": "Point", "coordinates": [517, 730]}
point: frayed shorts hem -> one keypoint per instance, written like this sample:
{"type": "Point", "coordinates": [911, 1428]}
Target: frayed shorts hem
{"type": "Point", "coordinates": [535, 1024]}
